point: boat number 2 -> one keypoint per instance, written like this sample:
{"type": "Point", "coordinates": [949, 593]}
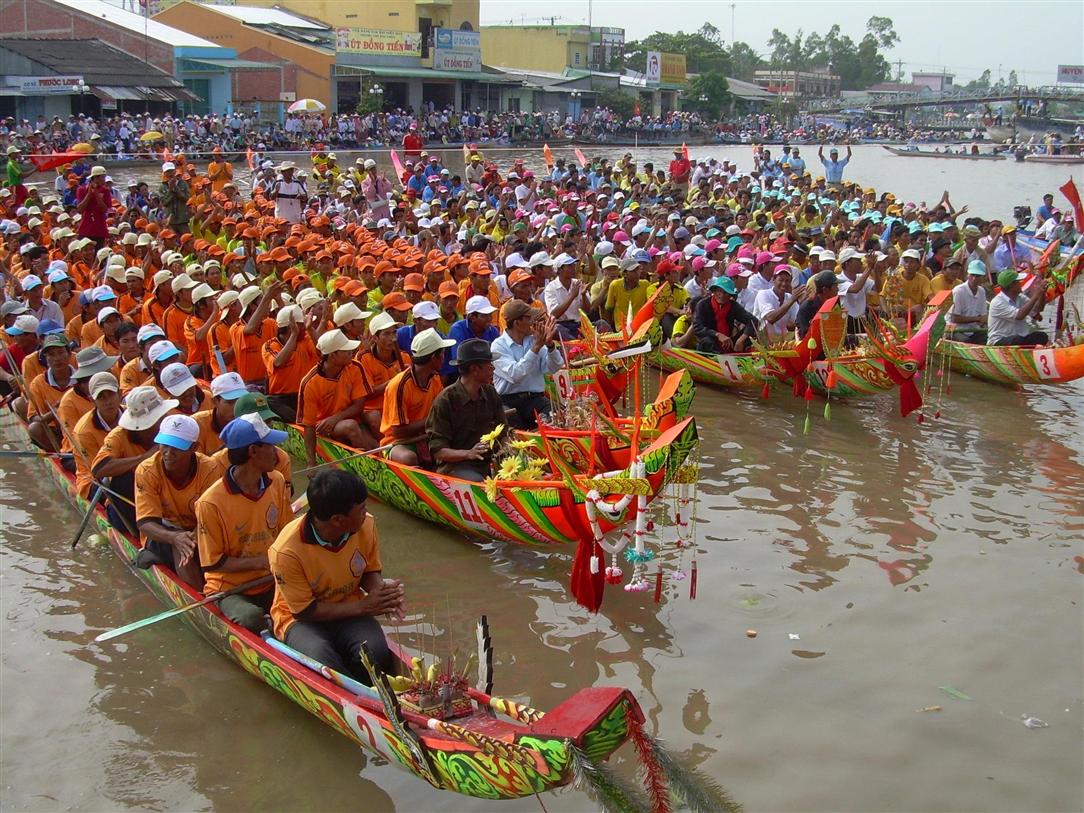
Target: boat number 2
{"type": "Point", "coordinates": [463, 497]}
{"type": "Point", "coordinates": [1045, 365]}
{"type": "Point", "coordinates": [730, 370]}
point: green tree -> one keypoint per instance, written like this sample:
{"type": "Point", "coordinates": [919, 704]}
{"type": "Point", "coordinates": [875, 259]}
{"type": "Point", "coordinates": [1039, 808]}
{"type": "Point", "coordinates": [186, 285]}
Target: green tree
{"type": "Point", "coordinates": [709, 94]}
{"type": "Point", "coordinates": [617, 100]}
{"type": "Point", "coordinates": [703, 50]}
{"type": "Point", "coordinates": [744, 61]}
{"type": "Point", "coordinates": [369, 103]}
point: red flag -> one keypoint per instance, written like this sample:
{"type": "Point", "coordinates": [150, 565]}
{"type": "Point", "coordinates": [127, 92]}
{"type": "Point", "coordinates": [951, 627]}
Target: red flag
{"type": "Point", "coordinates": [547, 155]}
{"type": "Point", "coordinates": [45, 162]}
{"type": "Point", "coordinates": [581, 157]}
{"type": "Point", "coordinates": [1073, 196]}
{"type": "Point", "coordinates": [684, 151]}
{"type": "Point", "coordinates": [250, 157]}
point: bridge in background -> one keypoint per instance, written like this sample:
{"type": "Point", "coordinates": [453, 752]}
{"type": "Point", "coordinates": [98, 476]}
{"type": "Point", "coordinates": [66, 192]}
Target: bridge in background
{"type": "Point", "coordinates": [1019, 93]}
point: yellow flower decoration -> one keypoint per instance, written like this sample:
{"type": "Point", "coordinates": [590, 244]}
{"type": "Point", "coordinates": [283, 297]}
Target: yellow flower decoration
{"type": "Point", "coordinates": [523, 445]}
{"type": "Point", "coordinates": [533, 470]}
{"type": "Point", "coordinates": [490, 486]}
{"type": "Point", "coordinates": [491, 437]}
{"type": "Point", "coordinates": [510, 467]}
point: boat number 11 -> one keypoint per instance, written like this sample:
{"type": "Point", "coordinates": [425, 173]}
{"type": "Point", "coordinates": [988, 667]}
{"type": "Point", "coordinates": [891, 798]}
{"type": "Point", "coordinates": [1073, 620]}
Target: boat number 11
{"type": "Point", "coordinates": [463, 497]}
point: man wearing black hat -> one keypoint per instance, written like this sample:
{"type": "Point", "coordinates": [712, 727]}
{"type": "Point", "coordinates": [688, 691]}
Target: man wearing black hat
{"type": "Point", "coordinates": [463, 412]}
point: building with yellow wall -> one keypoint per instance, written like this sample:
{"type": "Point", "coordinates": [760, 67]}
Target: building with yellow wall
{"type": "Point", "coordinates": [550, 48]}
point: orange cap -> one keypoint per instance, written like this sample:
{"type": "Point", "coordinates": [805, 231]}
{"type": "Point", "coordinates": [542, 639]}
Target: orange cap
{"type": "Point", "coordinates": [448, 289]}
{"type": "Point", "coordinates": [414, 282]}
{"type": "Point", "coordinates": [395, 301]}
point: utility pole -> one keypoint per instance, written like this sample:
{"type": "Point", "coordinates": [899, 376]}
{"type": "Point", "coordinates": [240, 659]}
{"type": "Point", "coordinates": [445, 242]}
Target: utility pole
{"type": "Point", "coordinates": [899, 70]}
{"type": "Point", "coordinates": [733, 36]}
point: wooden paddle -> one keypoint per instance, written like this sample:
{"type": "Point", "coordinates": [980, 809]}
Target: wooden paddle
{"type": "Point", "coordinates": [87, 517]}
{"type": "Point", "coordinates": [344, 459]}
{"type": "Point", "coordinates": [154, 619]}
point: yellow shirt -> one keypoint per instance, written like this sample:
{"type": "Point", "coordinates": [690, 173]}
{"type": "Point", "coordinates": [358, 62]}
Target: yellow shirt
{"type": "Point", "coordinates": [621, 300]}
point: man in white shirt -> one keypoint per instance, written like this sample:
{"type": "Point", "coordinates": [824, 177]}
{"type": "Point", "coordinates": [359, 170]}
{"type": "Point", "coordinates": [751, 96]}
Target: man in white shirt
{"type": "Point", "coordinates": [522, 356]}
{"type": "Point", "coordinates": [564, 296]}
{"type": "Point", "coordinates": [1010, 309]}
{"type": "Point", "coordinates": [288, 194]}
{"type": "Point", "coordinates": [777, 307]}
{"type": "Point", "coordinates": [967, 319]}
{"type": "Point", "coordinates": [854, 286]}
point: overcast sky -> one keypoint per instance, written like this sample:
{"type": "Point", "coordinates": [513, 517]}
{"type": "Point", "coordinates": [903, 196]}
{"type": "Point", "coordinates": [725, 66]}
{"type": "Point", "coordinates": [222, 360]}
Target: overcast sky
{"type": "Point", "coordinates": [1030, 36]}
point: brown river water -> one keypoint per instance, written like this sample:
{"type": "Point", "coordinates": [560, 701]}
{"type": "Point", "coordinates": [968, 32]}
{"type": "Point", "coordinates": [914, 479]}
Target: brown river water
{"type": "Point", "coordinates": [905, 557]}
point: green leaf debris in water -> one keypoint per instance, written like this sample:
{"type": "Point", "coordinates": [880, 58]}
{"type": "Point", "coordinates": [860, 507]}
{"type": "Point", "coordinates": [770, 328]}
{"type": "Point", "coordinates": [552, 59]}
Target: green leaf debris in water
{"type": "Point", "coordinates": [952, 691]}
{"type": "Point", "coordinates": [752, 601]}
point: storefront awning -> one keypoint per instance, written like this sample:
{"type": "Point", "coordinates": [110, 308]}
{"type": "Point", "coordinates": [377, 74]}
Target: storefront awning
{"type": "Point", "coordinates": [423, 73]}
{"type": "Point", "coordinates": [230, 64]}
{"type": "Point", "coordinates": [143, 94]}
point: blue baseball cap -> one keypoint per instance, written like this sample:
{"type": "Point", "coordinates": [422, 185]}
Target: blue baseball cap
{"type": "Point", "coordinates": [179, 431]}
{"type": "Point", "coordinates": [724, 283]}
{"type": "Point", "coordinates": [641, 256]}
{"type": "Point", "coordinates": [249, 429]}
{"type": "Point", "coordinates": [48, 326]}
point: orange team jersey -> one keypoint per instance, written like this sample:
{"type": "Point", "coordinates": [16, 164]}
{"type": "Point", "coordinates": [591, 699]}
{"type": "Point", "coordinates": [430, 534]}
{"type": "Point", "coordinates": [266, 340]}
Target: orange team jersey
{"type": "Point", "coordinates": [110, 348]}
{"type": "Point", "coordinates": [197, 349]}
{"type": "Point", "coordinates": [89, 433]}
{"type": "Point", "coordinates": [306, 572]}
{"type": "Point", "coordinates": [172, 323]}
{"type": "Point", "coordinates": [159, 498]}
{"type": "Point", "coordinates": [73, 406]}
{"type": "Point", "coordinates": [134, 374]}
{"type": "Point", "coordinates": [153, 312]}
{"type": "Point", "coordinates": [70, 309]}
{"type": "Point", "coordinates": [209, 442]}
{"type": "Point", "coordinates": [246, 349]}
{"type": "Point", "coordinates": [89, 333]}
{"type": "Point", "coordinates": [405, 401]}
{"type": "Point", "coordinates": [282, 467]}
{"type": "Point", "coordinates": [32, 366]}
{"type": "Point", "coordinates": [375, 372]}
{"type": "Point", "coordinates": [321, 397]}
{"type": "Point", "coordinates": [43, 395]}
{"type": "Point", "coordinates": [81, 273]}
{"type": "Point", "coordinates": [287, 378]}
{"type": "Point", "coordinates": [230, 524]}
{"type": "Point", "coordinates": [117, 444]}
{"type": "Point", "coordinates": [74, 328]}
{"type": "Point", "coordinates": [219, 338]}
{"type": "Point", "coordinates": [465, 293]}
{"type": "Point", "coordinates": [131, 310]}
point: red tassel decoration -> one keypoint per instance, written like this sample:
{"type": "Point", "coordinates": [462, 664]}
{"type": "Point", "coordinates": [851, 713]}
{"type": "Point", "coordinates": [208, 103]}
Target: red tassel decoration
{"type": "Point", "coordinates": [937, 415]}
{"type": "Point", "coordinates": [920, 418]}
{"type": "Point", "coordinates": [692, 581]}
{"type": "Point", "coordinates": [799, 386]}
{"type": "Point", "coordinates": [809, 393]}
{"type": "Point", "coordinates": [658, 586]}
{"type": "Point", "coordinates": [764, 392]}
{"type": "Point", "coordinates": [654, 776]}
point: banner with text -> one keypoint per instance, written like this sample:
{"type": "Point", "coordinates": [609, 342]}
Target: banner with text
{"type": "Point", "coordinates": [673, 69]}
{"type": "Point", "coordinates": [1071, 74]}
{"type": "Point", "coordinates": [457, 50]}
{"type": "Point", "coordinates": [372, 42]}
{"type": "Point", "coordinates": [44, 85]}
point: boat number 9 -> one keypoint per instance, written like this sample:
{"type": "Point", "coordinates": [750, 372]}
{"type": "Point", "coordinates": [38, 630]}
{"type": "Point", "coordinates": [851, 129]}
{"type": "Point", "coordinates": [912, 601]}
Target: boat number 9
{"type": "Point", "coordinates": [563, 380]}
{"type": "Point", "coordinates": [463, 497]}
{"type": "Point", "coordinates": [1046, 365]}
{"type": "Point", "coordinates": [729, 370]}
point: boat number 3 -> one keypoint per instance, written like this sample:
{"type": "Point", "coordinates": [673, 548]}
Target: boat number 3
{"type": "Point", "coordinates": [1046, 365]}
{"type": "Point", "coordinates": [463, 496]}
{"type": "Point", "coordinates": [730, 370]}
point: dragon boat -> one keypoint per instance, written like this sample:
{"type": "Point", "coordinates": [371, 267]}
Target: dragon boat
{"type": "Point", "coordinates": [1016, 365]}
{"type": "Point", "coordinates": [473, 743]}
{"type": "Point", "coordinates": [548, 511]}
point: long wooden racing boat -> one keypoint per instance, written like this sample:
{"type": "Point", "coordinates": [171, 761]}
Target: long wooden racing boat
{"type": "Point", "coordinates": [537, 512]}
{"type": "Point", "coordinates": [519, 753]}
{"type": "Point", "coordinates": [960, 156]}
{"type": "Point", "coordinates": [1016, 365]}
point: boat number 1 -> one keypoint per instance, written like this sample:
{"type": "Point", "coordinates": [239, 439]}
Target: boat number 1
{"type": "Point", "coordinates": [729, 370]}
{"type": "Point", "coordinates": [1045, 365]}
{"type": "Point", "coordinates": [463, 497]}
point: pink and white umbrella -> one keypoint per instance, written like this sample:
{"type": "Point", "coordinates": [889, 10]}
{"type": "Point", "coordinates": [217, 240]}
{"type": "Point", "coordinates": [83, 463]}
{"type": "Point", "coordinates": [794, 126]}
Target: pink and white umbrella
{"type": "Point", "coordinates": [307, 106]}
